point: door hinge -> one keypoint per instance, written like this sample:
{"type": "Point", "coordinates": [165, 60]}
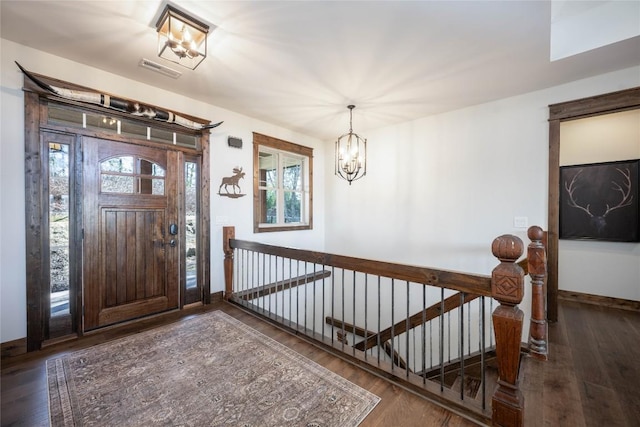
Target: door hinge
{"type": "Point", "coordinates": [82, 234]}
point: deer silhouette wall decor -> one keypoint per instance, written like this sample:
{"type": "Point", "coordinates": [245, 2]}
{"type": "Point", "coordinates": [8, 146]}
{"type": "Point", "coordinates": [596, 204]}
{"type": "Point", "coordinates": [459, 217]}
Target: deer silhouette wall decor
{"type": "Point", "coordinates": [602, 200]}
{"type": "Point", "coordinates": [233, 181]}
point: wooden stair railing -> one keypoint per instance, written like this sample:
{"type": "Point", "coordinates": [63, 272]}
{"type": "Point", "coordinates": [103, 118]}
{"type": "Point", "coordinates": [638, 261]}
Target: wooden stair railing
{"type": "Point", "coordinates": [535, 265]}
{"type": "Point", "coordinates": [506, 285]}
{"type": "Point", "coordinates": [537, 268]}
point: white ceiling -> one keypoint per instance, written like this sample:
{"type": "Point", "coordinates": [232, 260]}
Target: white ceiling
{"type": "Point", "coordinates": [298, 64]}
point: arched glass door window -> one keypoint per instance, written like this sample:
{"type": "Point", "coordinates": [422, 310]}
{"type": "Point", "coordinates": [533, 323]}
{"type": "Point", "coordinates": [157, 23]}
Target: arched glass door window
{"type": "Point", "coordinates": [131, 175]}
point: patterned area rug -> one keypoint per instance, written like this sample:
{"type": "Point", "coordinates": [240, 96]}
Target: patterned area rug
{"type": "Point", "coordinates": [211, 370]}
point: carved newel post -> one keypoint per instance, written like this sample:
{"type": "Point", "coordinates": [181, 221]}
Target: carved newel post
{"type": "Point", "coordinates": [227, 234]}
{"type": "Point", "coordinates": [536, 254]}
{"type": "Point", "coordinates": [507, 286]}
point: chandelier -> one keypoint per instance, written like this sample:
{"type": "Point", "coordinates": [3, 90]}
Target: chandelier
{"type": "Point", "coordinates": [351, 153]}
{"type": "Point", "coordinates": [181, 38]}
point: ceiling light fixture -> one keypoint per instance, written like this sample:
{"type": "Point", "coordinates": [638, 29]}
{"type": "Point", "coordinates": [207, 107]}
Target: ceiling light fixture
{"type": "Point", "coordinates": [181, 38]}
{"type": "Point", "coordinates": [351, 153]}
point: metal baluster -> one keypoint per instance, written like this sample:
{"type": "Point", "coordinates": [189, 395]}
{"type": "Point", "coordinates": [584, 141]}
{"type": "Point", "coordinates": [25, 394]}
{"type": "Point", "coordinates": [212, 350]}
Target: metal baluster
{"type": "Point", "coordinates": [290, 291]}
{"type": "Point", "coordinates": [430, 344]}
{"type": "Point", "coordinates": [333, 303]}
{"type": "Point", "coordinates": [270, 281]}
{"type": "Point", "coordinates": [264, 282]}
{"type": "Point", "coordinates": [407, 332]}
{"type": "Point", "coordinates": [283, 291]}
{"type": "Point", "coordinates": [366, 310]}
{"type": "Point", "coordinates": [393, 335]}
{"type": "Point", "coordinates": [483, 366]}
{"type": "Point", "coordinates": [297, 295]}
{"type": "Point", "coordinates": [305, 298]}
{"type": "Point", "coordinates": [353, 335]}
{"type": "Point", "coordinates": [469, 328]}
{"type": "Point", "coordinates": [379, 317]}
{"type": "Point", "coordinates": [449, 335]}
{"type": "Point", "coordinates": [342, 317]}
{"type": "Point", "coordinates": [243, 271]}
{"type": "Point", "coordinates": [461, 344]}
{"type": "Point", "coordinates": [323, 302]}
{"type": "Point", "coordinates": [254, 271]}
{"type": "Point", "coordinates": [313, 318]}
{"type": "Point", "coordinates": [275, 295]}
{"type": "Point", "coordinates": [424, 333]}
{"type": "Point", "coordinates": [240, 272]}
{"type": "Point", "coordinates": [441, 339]}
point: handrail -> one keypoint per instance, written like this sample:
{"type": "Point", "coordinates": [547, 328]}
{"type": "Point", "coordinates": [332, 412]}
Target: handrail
{"type": "Point", "coordinates": [470, 283]}
{"type": "Point", "coordinates": [506, 285]}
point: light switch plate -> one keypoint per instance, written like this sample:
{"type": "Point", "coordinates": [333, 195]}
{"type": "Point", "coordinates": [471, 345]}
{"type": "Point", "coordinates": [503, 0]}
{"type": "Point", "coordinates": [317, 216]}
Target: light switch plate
{"type": "Point", "coordinates": [520, 221]}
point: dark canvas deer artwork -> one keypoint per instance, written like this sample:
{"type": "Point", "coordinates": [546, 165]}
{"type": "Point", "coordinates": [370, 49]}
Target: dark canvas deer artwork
{"type": "Point", "coordinates": [600, 201]}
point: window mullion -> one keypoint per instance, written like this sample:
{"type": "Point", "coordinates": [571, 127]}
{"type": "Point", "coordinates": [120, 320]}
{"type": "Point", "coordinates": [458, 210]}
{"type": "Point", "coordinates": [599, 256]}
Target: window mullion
{"type": "Point", "coordinates": [280, 189]}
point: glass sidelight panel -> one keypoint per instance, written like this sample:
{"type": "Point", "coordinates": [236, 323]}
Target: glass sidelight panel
{"type": "Point", "coordinates": [191, 223]}
{"type": "Point", "coordinates": [59, 211]}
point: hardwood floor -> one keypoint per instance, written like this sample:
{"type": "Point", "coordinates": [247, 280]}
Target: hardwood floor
{"type": "Point", "coordinates": [24, 392]}
{"type": "Point", "coordinates": [591, 379]}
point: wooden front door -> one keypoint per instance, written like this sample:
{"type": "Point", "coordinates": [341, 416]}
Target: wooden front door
{"type": "Point", "coordinates": [131, 250]}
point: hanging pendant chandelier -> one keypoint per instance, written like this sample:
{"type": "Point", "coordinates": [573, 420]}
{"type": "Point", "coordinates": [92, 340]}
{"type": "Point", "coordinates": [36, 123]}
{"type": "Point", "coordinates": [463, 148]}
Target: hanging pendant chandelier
{"type": "Point", "coordinates": [351, 153]}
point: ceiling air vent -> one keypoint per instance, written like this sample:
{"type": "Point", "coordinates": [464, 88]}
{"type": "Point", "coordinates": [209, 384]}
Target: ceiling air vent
{"type": "Point", "coordinates": [153, 66]}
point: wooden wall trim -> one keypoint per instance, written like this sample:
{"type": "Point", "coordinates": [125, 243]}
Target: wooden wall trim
{"type": "Point", "coordinates": [216, 296]}
{"type": "Point", "coordinates": [610, 302]}
{"type": "Point", "coordinates": [13, 348]}
{"type": "Point", "coordinates": [596, 105]}
{"type": "Point", "coordinates": [33, 220]}
{"type": "Point", "coordinates": [613, 102]}
{"type": "Point", "coordinates": [205, 218]}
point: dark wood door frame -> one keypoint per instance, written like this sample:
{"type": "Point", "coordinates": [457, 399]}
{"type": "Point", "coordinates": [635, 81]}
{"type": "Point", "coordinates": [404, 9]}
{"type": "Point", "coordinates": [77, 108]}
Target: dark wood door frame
{"type": "Point", "coordinates": [614, 102]}
{"type": "Point", "coordinates": [36, 242]}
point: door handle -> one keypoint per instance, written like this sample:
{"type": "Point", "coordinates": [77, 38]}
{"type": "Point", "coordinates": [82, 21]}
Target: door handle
{"type": "Point", "coordinates": [172, 243]}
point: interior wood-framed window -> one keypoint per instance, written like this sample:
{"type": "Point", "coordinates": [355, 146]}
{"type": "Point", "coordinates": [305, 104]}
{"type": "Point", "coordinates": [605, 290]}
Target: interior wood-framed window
{"type": "Point", "coordinates": [282, 185]}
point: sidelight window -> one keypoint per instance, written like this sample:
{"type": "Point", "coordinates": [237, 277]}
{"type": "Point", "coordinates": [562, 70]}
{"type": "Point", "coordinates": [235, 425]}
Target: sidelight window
{"type": "Point", "coordinates": [59, 212]}
{"type": "Point", "coordinates": [191, 222]}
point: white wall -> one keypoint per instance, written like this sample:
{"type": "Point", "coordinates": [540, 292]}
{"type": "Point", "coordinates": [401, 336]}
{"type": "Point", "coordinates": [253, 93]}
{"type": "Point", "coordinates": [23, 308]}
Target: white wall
{"type": "Point", "coordinates": [600, 268]}
{"type": "Point", "coordinates": [438, 190]}
{"type": "Point", "coordinates": [225, 211]}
